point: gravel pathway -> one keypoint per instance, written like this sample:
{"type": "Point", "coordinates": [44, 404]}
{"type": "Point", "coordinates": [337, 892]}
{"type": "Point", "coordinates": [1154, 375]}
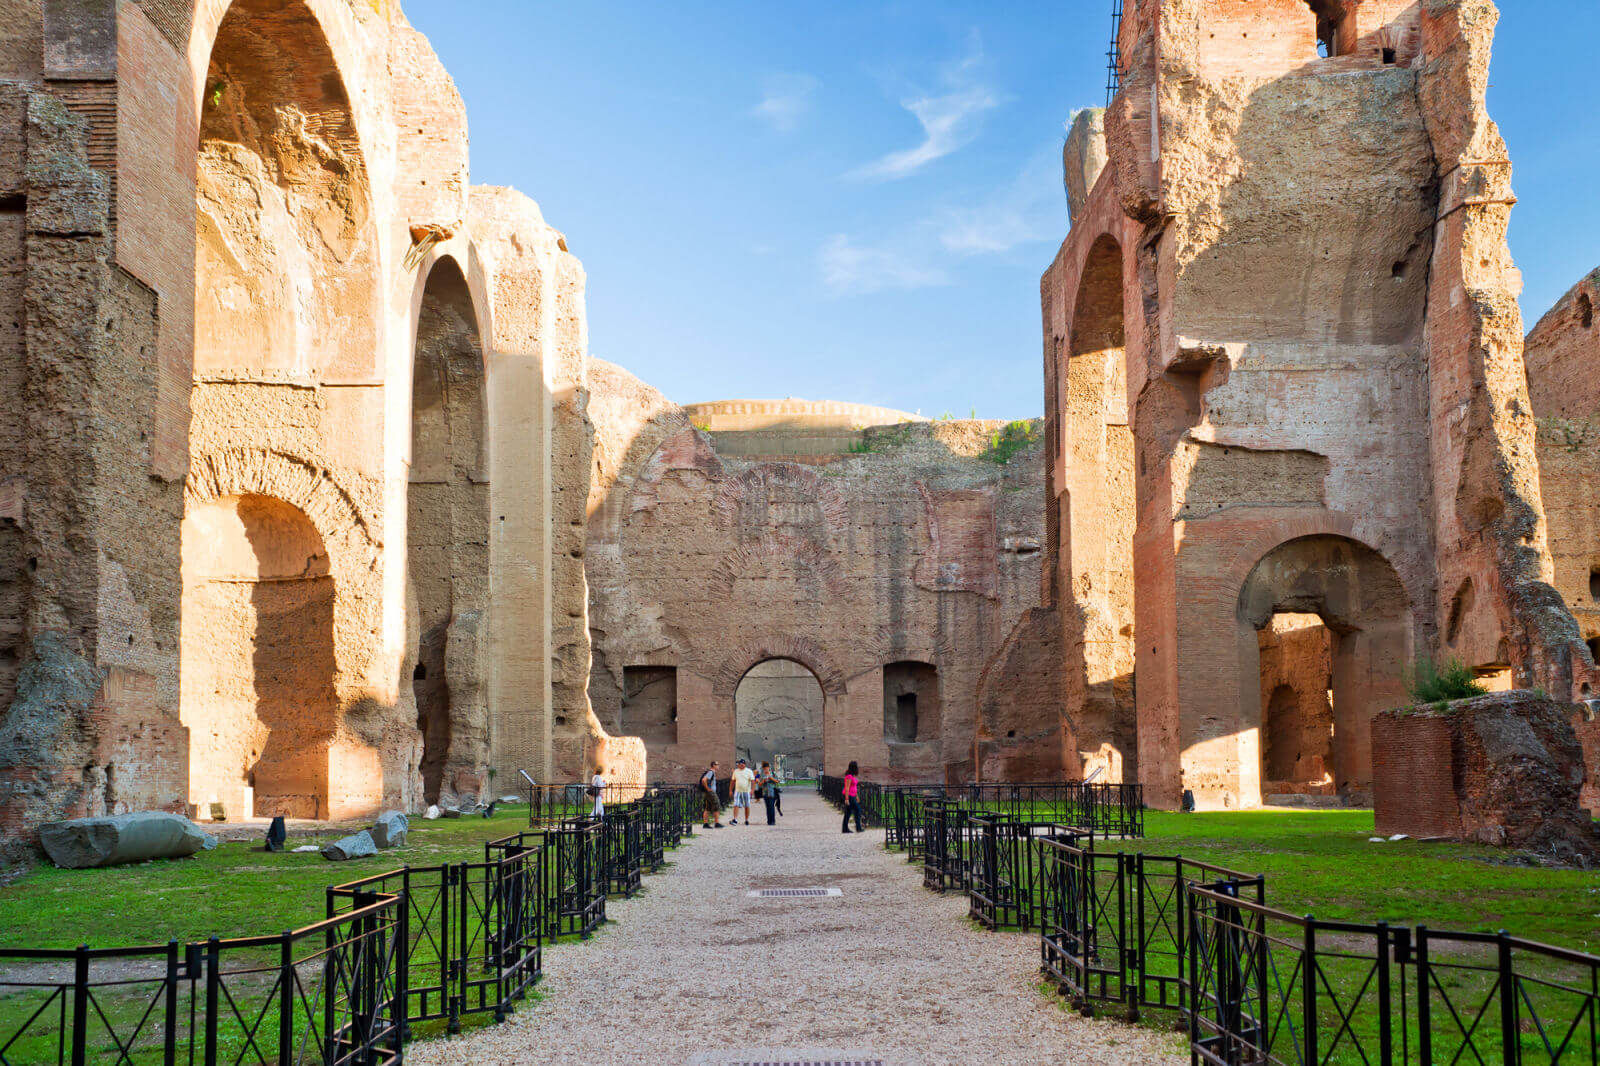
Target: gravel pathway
{"type": "Point", "coordinates": [693, 972]}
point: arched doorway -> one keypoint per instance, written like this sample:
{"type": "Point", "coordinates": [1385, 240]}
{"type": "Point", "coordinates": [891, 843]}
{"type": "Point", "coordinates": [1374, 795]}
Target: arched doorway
{"type": "Point", "coordinates": [258, 660]}
{"type": "Point", "coordinates": [447, 536]}
{"type": "Point", "coordinates": [1325, 639]}
{"type": "Point", "coordinates": [778, 714]}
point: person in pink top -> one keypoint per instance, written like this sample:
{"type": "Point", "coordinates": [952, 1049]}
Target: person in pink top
{"type": "Point", "coordinates": [852, 800]}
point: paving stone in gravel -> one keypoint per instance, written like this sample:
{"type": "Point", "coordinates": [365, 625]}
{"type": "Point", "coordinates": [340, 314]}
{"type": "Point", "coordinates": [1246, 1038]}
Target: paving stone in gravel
{"type": "Point", "coordinates": [696, 972]}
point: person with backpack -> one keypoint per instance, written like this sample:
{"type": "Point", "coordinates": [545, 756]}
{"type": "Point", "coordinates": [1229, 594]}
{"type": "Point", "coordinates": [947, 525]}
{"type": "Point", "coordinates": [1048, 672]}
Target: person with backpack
{"type": "Point", "coordinates": [767, 789]}
{"type": "Point", "coordinates": [597, 791]}
{"type": "Point", "coordinates": [852, 796]}
{"type": "Point", "coordinates": [708, 799]}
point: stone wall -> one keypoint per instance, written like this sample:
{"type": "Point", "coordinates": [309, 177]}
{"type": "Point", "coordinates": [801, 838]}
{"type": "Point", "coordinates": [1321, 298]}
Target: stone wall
{"type": "Point", "coordinates": [1563, 350]}
{"type": "Point", "coordinates": [1296, 243]}
{"type": "Point", "coordinates": [1503, 769]}
{"type": "Point", "coordinates": [896, 569]}
{"type": "Point", "coordinates": [283, 406]}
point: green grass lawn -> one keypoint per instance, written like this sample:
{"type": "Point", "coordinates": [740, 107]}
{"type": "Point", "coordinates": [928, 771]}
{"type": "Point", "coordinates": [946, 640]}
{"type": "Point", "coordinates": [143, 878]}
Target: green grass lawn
{"type": "Point", "coordinates": [235, 890]}
{"type": "Point", "coordinates": [1321, 863]}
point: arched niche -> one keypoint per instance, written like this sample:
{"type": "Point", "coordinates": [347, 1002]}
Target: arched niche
{"type": "Point", "coordinates": [447, 536]}
{"type": "Point", "coordinates": [1098, 514]}
{"type": "Point", "coordinates": [285, 262]}
{"type": "Point", "coordinates": [257, 687]}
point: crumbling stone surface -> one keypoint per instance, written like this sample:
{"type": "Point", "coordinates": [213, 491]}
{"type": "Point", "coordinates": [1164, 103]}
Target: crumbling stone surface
{"type": "Point", "coordinates": [122, 838]}
{"type": "Point", "coordinates": [1296, 243]}
{"type": "Point", "coordinates": [212, 349]}
{"type": "Point", "coordinates": [1503, 769]}
{"type": "Point", "coordinates": [886, 563]}
{"type": "Point", "coordinates": [1563, 350]}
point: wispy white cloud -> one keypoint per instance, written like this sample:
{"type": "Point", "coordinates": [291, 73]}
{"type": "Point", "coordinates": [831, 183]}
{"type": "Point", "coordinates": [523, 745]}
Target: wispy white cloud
{"type": "Point", "coordinates": [849, 269]}
{"type": "Point", "coordinates": [785, 99]}
{"type": "Point", "coordinates": [949, 120]}
{"type": "Point", "coordinates": [1030, 208]}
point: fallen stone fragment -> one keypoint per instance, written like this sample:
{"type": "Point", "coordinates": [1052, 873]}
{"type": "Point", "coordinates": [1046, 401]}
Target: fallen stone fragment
{"type": "Point", "coordinates": [355, 846]}
{"type": "Point", "coordinates": [432, 813]}
{"type": "Point", "coordinates": [389, 831]}
{"type": "Point", "coordinates": [84, 843]}
{"type": "Point", "coordinates": [308, 847]}
{"type": "Point", "coordinates": [450, 812]}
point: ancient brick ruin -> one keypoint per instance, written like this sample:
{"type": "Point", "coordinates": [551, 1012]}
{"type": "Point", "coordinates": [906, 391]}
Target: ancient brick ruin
{"type": "Point", "coordinates": [255, 546]}
{"type": "Point", "coordinates": [776, 578]}
{"type": "Point", "coordinates": [1284, 380]}
{"type": "Point", "coordinates": [312, 501]}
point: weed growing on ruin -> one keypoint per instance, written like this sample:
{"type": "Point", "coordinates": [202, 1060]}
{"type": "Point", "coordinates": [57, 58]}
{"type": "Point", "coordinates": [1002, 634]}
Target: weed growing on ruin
{"type": "Point", "coordinates": [1012, 438]}
{"type": "Point", "coordinates": [1435, 684]}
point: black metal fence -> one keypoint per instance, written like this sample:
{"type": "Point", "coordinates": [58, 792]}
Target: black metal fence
{"type": "Point", "coordinates": [1107, 809]}
{"type": "Point", "coordinates": [1272, 987]}
{"type": "Point", "coordinates": [332, 993]}
{"type": "Point", "coordinates": [398, 948]}
{"type": "Point", "coordinates": [1129, 931]}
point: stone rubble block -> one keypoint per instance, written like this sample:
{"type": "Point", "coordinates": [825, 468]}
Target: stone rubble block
{"type": "Point", "coordinates": [356, 846]}
{"type": "Point", "coordinates": [389, 831]}
{"type": "Point", "coordinates": [85, 843]}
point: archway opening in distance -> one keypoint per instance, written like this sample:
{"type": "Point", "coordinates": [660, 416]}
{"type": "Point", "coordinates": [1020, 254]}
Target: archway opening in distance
{"type": "Point", "coordinates": [778, 714]}
{"type": "Point", "coordinates": [1325, 639]}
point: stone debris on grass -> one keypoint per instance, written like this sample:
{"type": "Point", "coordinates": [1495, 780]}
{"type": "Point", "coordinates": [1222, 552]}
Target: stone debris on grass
{"type": "Point", "coordinates": [355, 846]}
{"type": "Point", "coordinates": [114, 840]}
{"type": "Point", "coordinates": [389, 831]}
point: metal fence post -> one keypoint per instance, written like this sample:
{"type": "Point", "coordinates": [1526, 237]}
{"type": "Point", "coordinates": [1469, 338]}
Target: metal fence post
{"type": "Point", "coordinates": [286, 977]}
{"type": "Point", "coordinates": [1308, 987]}
{"type": "Point", "coordinates": [1424, 1000]}
{"type": "Point", "coordinates": [213, 982]}
{"type": "Point", "coordinates": [80, 1005]}
{"type": "Point", "coordinates": [169, 1055]}
{"type": "Point", "coordinates": [1509, 1040]}
{"type": "Point", "coordinates": [1385, 1036]}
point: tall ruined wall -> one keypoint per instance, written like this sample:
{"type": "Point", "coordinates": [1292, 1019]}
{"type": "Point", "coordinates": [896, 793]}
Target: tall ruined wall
{"type": "Point", "coordinates": [1300, 222]}
{"type": "Point", "coordinates": [88, 637]}
{"type": "Point", "coordinates": [1563, 354]}
{"type": "Point", "coordinates": [1563, 351]}
{"type": "Point", "coordinates": [912, 549]}
{"type": "Point", "coordinates": [264, 420]}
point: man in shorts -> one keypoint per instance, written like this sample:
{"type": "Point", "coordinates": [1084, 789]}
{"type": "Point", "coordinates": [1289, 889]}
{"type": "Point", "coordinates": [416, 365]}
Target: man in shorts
{"type": "Point", "coordinates": [743, 784]}
{"type": "Point", "coordinates": [712, 818]}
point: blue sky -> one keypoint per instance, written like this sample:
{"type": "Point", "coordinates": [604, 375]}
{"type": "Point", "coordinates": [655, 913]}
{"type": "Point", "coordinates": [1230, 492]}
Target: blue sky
{"type": "Point", "coordinates": [854, 201]}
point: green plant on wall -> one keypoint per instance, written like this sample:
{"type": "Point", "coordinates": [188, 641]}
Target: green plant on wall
{"type": "Point", "coordinates": [1010, 439]}
{"type": "Point", "coordinates": [1433, 683]}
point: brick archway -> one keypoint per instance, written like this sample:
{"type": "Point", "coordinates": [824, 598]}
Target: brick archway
{"type": "Point", "coordinates": [809, 654]}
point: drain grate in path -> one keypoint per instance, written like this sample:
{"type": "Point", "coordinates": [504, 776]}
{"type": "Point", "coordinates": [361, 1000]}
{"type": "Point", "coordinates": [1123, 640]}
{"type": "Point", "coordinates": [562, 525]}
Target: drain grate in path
{"type": "Point", "coordinates": [804, 1062]}
{"type": "Point", "coordinates": [795, 893]}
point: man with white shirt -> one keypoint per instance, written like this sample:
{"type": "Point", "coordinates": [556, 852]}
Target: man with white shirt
{"type": "Point", "coordinates": [743, 784]}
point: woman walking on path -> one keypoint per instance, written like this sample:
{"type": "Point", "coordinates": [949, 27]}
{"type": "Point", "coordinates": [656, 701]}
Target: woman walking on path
{"type": "Point", "coordinates": [767, 788]}
{"type": "Point", "coordinates": [852, 801]}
